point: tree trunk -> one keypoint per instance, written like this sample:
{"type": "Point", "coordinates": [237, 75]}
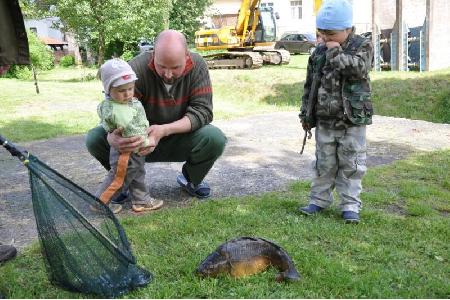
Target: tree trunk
{"type": "Point", "coordinates": [101, 48]}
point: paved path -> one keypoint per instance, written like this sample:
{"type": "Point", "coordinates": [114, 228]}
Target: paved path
{"type": "Point", "coordinates": [262, 155]}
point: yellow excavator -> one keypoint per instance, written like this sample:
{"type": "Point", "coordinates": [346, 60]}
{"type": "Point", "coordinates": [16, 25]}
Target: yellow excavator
{"type": "Point", "coordinates": [249, 44]}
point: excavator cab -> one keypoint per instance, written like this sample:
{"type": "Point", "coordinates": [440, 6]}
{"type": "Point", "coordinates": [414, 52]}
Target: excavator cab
{"type": "Point", "coordinates": [266, 31]}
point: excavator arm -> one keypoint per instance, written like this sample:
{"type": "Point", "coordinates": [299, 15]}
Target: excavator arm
{"type": "Point", "coordinates": [248, 13]}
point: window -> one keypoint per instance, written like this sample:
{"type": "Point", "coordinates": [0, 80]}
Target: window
{"type": "Point", "coordinates": [296, 9]}
{"type": "Point", "coordinates": [266, 4]}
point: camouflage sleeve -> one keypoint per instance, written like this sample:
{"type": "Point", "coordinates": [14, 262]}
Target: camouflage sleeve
{"type": "Point", "coordinates": [356, 65]}
{"type": "Point", "coordinates": [307, 88]}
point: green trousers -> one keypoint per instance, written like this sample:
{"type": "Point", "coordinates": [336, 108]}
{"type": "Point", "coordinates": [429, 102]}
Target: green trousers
{"type": "Point", "coordinates": [198, 149]}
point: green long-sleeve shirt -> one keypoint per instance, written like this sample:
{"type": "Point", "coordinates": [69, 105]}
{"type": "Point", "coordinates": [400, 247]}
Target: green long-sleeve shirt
{"type": "Point", "coordinates": [130, 116]}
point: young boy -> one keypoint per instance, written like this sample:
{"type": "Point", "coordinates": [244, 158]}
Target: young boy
{"type": "Point", "coordinates": [337, 101]}
{"type": "Point", "coordinates": [121, 110]}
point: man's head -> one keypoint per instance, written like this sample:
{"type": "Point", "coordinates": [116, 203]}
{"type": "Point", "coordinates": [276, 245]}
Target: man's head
{"type": "Point", "coordinates": [170, 55]}
{"type": "Point", "coordinates": [334, 20]}
{"type": "Point", "coordinates": [118, 79]}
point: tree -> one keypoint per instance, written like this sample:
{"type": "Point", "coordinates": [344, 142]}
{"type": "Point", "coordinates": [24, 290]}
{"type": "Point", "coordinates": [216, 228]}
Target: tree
{"type": "Point", "coordinates": [97, 22]}
{"type": "Point", "coordinates": [184, 15]}
{"type": "Point", "coordinates": [100, 22]}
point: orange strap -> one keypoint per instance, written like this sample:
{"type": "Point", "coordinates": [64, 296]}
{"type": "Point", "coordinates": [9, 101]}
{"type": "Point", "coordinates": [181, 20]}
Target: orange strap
{"type": "Point", "coordinates": [121, 172]}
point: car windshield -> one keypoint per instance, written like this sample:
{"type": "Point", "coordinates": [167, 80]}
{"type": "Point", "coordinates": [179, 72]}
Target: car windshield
{"type": "Point", "coordinates": [310, 36]}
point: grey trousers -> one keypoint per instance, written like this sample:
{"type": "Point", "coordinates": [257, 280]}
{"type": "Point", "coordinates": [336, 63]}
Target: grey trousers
{"type": "Point", "coordinates": [341, 164]}
{"type": "Point", "coordinates": [134, 180]}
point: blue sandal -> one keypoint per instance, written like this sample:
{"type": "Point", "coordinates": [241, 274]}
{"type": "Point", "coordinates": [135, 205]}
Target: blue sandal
{"type": "Point", "coordinates": [201, 190]}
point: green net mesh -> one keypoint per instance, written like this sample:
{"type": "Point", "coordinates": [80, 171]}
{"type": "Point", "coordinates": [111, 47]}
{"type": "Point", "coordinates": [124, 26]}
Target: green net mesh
{"type": "Point", "coordinates": [84, 246]}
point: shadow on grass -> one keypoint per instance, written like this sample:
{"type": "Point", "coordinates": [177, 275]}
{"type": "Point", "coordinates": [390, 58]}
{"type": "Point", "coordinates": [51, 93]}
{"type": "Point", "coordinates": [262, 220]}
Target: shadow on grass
{"type": "Point", "coordinates": [25, 129]}
{"type": "Point", "coordinates": [286, 95]}
{"type": "Point", "coordinates": [425, 98]}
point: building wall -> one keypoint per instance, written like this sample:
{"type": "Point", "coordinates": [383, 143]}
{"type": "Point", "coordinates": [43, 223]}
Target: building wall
{"type": "Point", "coordinates": [287, 22]}
{"type": "Point", "coordinates": [439, 35]}
{"type": "Point", "coordinates": [224, 12]}
{"type": "Point", "coordinates": [44, 28]}
{"type": "Point", "coordinates": [413, 12]}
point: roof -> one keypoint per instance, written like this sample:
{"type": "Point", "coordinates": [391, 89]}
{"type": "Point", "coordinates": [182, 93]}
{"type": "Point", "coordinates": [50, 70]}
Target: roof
{"type": "Point", "coordinates": [51, 41]}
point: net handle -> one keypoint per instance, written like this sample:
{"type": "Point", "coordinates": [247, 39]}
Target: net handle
{"type": "Point", "coordinates": [22, 155]}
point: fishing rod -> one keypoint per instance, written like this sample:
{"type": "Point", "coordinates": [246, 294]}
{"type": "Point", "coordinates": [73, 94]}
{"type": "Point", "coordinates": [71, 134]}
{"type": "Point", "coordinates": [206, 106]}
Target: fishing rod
{"type": "Point", "coordinates": [22, 155]}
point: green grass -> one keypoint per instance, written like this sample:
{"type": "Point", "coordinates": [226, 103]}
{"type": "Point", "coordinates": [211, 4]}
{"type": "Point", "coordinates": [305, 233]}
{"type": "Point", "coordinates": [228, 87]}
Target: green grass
{"type": "Point", "coordinates": [68, 97]}
{"type": "Point", "coordinates": [400, 250]}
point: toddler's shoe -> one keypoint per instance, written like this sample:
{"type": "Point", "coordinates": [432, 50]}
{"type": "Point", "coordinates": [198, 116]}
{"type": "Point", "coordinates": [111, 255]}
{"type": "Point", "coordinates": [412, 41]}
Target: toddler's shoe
{"type": "Point", "coordinates": [310, 210]}
{"type": "Point", "coordinates": [350, 217]}
{"type": "Point", "coordinates": [115, 207]}
{"type": "Point", "coordinates": [143, 206]}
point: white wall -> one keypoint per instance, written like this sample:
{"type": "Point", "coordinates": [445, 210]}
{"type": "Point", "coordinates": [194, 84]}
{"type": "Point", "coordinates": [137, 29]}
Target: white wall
{"type": "Point", "coordinates": [44, 28]}
{"type": "Point", "coordinates": [226, 7]}
{"type": "Point", "coordinates": [439, 38]}
{"type": "Point", "coordinates": [287, 23]}
{"type": "Point", "coordinates": [362, 15]}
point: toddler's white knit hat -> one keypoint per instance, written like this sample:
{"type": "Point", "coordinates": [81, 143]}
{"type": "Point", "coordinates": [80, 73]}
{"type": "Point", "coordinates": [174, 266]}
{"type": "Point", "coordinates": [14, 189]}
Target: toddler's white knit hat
{"type": "Point", "coordinates": [115, 72]}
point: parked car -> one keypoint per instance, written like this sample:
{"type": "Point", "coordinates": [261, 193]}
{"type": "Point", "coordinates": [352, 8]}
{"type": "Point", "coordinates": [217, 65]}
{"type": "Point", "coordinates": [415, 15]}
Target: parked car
{"type": "Point", "coordinates": [297, 43]}
{"type": "Point", "coordinates": [145, 45]}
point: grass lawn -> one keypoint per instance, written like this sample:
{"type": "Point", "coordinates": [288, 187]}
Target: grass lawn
{"type": "Point", "coordinates": [400, 250]}
{"type": "Point", "coordinates": [68, 98]}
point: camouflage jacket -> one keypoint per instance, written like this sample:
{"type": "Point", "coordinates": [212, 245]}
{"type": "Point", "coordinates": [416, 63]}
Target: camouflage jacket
{"type": "Point", "coordinates": [129, 116]}
{"type": "Point", "coordinates": [344, 93]}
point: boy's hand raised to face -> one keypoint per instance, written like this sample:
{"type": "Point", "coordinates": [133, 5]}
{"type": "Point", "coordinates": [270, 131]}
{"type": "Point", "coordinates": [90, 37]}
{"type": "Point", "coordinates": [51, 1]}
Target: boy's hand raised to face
{"type": "Point", "coordinates": [332, 44]}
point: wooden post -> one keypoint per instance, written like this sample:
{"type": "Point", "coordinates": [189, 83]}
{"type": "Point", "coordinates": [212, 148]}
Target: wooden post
{"type": "Point", "coordinates": [35, 79]}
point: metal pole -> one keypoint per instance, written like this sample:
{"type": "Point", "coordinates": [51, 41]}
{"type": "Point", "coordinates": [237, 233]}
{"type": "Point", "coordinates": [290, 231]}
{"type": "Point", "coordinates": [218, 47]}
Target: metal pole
{"type": "Point", "coordinates": [427, 33]}
{"type": "Point", "coordinates": [399, 35]}
{"type": "Point", "coordinates": [375, 42]}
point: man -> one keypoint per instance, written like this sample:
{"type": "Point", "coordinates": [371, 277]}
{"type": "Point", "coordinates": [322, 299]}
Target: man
{"type": "Point", "coordinates": [175, 89]}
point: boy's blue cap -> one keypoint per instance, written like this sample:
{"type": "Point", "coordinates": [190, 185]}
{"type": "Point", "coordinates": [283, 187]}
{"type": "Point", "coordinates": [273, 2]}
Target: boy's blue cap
{"type": "Point", "coordinates": [335, 15]}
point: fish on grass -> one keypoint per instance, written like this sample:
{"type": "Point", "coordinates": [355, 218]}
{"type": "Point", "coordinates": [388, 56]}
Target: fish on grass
{"type": "Point", "coordinates": [246, 256]}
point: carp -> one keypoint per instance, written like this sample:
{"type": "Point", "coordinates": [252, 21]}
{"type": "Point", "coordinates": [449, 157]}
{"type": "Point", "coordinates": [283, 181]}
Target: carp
{"type": "Point", "coordinates": [245, 256]}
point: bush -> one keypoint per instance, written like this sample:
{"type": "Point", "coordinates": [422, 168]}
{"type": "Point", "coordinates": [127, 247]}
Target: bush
{"type": "Point", "coordinates": [67, 61]}
{"type": "Point", "coordinates": [20, 72]}
{"type": "Point", "coordinates": [127, 55]}
{"type": "Point", "coordinates": [41, 56]}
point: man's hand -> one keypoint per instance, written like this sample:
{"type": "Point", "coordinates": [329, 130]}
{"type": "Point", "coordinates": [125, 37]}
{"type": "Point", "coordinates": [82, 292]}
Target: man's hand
{"type": "Point", "coordinates": [332, 44]}
{"type": "Point", "coordinates": [122, 144]}
{"type": "Point", "coordinates": [155, 134]}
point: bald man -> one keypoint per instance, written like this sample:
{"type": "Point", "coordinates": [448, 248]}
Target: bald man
{"type": "Point", "coordinates": [175, 89]}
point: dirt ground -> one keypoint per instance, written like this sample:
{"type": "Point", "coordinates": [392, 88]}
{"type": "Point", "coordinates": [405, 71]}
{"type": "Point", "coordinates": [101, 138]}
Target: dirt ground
{"type": "Point", "coordinates": [262, 155]}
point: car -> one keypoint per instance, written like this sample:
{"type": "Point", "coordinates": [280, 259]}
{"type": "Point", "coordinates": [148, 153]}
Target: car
{"type": "Point", "coordinates": [297, 42]}
{"type": "Point", "coordinates": [145, 45]}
